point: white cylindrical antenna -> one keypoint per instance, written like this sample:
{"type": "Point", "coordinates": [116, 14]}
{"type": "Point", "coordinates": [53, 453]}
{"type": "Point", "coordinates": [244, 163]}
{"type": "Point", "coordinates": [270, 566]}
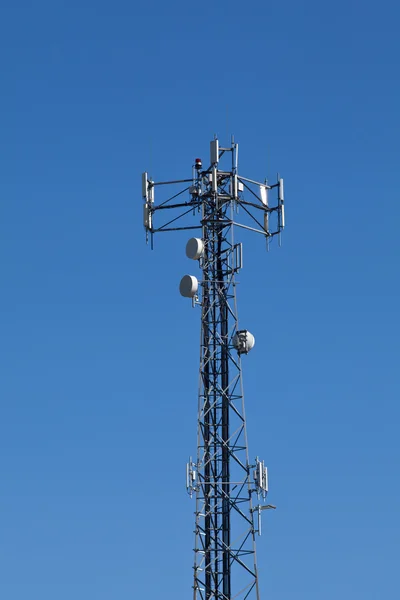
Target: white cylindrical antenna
{"type": "Point", "coordinates": [214, 186]}
{"type": "Point", "coordinates": [283, 215]}
{"type": "Point", "coordinates": [188, 286]}
{"type": "Point", "coordinates": [265, 480]}
{"type": "Point", "coordinates": [214, 152]}
{"type": "Point", "coordinates": [260, 474]}
{"type": "Point", "coordinates": [264, 194]}
{"type": "Point", "coordinates": [281, 196]}
{"type": "Point", "coordinates": [194, 248]}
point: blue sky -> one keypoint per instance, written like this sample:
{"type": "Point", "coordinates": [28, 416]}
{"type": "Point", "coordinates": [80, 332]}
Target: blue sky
{"type": "Point", "coordinates": [99, 353]}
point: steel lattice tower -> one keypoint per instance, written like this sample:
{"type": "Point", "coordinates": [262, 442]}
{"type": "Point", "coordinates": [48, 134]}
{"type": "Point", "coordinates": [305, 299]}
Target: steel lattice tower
{"type": "Point", "coordinates": [222, 477]}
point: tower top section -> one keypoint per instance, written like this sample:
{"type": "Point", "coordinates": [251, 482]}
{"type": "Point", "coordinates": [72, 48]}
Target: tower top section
{"type": "Point", "coordinates": [244, 202]}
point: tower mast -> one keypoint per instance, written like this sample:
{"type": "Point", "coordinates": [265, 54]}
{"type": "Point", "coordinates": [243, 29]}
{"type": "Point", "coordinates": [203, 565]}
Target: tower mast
{"type": "Point", "coordinates": [227, 485]}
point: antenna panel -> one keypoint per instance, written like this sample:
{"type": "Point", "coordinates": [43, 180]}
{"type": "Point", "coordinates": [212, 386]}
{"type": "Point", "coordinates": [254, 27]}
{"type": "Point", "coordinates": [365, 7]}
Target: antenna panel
{"type": "Point", "coordinates": [281, 196]}
{"type": "Point", "coordinates": [214, 152]}
{"type": "Point", "coordinates": [234, 186]}
{"type": "Point", "coordinates": [151, 192]}
{"type": "Point", "coordinates": [214, 186]}
{"type": "Point", "coordinates": [147, 216]}
{"type": "Point", "coordinates": [261, 477]}
{"type": "Point", "coordinates": [265, 479]}
{"type": "Point", "coordinates": [264, 195]}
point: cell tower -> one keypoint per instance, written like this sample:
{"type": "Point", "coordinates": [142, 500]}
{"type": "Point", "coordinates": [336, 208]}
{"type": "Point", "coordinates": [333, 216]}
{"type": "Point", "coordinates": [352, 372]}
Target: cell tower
{"type": "Point", "coordinates": [229, 488]}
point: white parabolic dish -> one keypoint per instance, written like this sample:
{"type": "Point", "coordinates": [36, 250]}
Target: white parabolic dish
{"type": "Point", "coordinates": [188, 286]}
{"type": "Point", "coordinates": [194, 248]}
{"type": "Point", "coordinates": [243, 341]}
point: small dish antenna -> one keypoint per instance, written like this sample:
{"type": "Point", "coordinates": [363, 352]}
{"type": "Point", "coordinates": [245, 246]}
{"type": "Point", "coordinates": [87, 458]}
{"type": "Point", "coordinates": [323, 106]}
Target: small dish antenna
{"type": "Point", "coordinates": [194, 248]}
{"type": "Point", "coordinates": [243, 341]}
{"type": "Point", "coordinates": [188, 286]}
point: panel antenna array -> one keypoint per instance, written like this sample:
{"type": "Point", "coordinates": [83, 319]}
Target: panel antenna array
{"type": "Point", "coordinates": [228, 487]}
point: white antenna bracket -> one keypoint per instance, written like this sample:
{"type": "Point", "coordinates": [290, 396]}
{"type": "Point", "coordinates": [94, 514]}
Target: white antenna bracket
{"type": "Point", "coordinates": [258, 509]}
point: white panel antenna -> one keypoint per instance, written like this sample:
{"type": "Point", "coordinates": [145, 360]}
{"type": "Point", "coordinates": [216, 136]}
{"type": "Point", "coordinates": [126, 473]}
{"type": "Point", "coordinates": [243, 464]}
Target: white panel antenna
{"type": "Point", "coordinates": [281, 202]}
{"type": "Point", "coordinates": [214, 152]}
{"type": "Point", "coordinates": [264, 194]}
{"type": "Point", "coordinates": [281, 196]}
{"type": "Point", "coordinates": [214, 185]}
{"type": "Point", "coordinates": [151, 192]}
{"type": "Point", "coordinates": [261, 478]}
